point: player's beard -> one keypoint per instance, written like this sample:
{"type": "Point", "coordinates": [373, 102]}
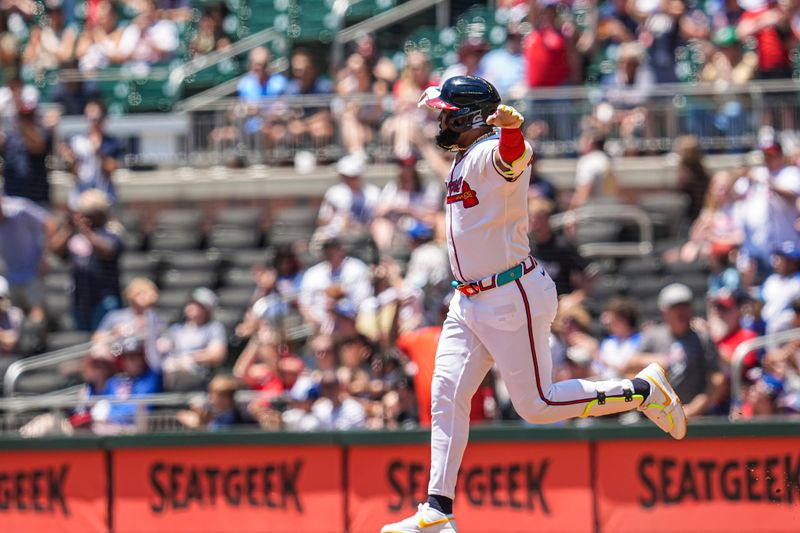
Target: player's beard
{"type": "Point", "coordinates": [447, 139]}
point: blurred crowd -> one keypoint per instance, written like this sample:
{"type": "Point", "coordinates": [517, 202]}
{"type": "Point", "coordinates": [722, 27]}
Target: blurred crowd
{"type": "Point", "coordinates": [627, 47]}
{"type": "Point", "coordinates": [369, 288]}
{"type": "Point", "coordinates": [341, 328]}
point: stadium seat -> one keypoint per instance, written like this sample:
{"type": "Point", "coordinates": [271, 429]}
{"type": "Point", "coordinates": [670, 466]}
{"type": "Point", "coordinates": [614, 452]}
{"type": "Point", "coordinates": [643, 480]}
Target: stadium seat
{"type": "Point", "coordinates": [66, 339]}
{"type": "Point", "coordinates": [138, 263]}
{"type": "Point", "coordinates": [41, 382]}
{"type": "Point", "coordinates": [179, 219]}
{"type": "Point", "coordinates": [222, 238]}
{"type": "Point", "coordinates": [188, 279]}
{"type": "Point", "coordinates": [238, 277]}
{"type": "Point", "coordinates": [229, 317]}
{"type": "Point", "coordinates": [173, 299]}
{"type": "Point", "coordinates": [646, 287]}
{"type": "Point", "coordinates": [235, 297]}
{"type": "Point", "coordinates": [248, 258]}
{"type": "Point", "coordinates": [634, 268]}
{"type": "Point", "coordinates": [189, 260]}
{"type": "Point", "coordinates": [238, 217]}
{"type": "Point", "coordinates": [176, 239]}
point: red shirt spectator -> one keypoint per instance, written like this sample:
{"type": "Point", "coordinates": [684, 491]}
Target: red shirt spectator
{"type": "Point", "coordinates": [420, 346]}
{"type": "Point", "coordinates": [763, 22]}
{"type": "Point", "coordinates": [546, 53]}
{"type": "Point", "coordinates": [725, 321]}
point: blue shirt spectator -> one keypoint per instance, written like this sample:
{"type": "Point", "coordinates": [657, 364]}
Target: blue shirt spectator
{"type": "Point", "coordinates": [505, 67]}
{"type": "Point", "coordinates": [135, 379]}
{"type": "Point", "coordinates": [22, 238]}
{"type": "Point", "coordinates": [93, 251]}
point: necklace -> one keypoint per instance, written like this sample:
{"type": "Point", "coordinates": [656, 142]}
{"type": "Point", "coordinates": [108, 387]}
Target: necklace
{"type": "Point", "coordinates": [463, 152]}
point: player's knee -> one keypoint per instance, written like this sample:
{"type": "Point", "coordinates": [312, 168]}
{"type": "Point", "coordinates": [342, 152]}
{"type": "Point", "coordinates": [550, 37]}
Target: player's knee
{"type": "Point", "coordinates": [533, 412]}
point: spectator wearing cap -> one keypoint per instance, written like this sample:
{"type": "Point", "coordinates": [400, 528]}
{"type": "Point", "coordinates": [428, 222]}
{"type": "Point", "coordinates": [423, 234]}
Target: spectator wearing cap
{"type": "Point", "coordinates": [92, 157]}
{"type": "Point", "coordinates": [135, 379]}
{"type": "Point", "coordinates": [505, 67]}
{"type": "Point", "coordinates": [768, 208]}
{"type": "Point", "coordinates": [782, 287]}
{"type": "Point", "coordinates": [26, 230]}
{"type": "Point", "coordinates": [404, 203]}
{"type": "Point", "coordinates": [195, 346]}
{"type": "Point", "coordinates": [220, 412]}
{"type": "Point", "coordinates": [560, 258]}
{"type": "Point", "coordinates": [632, 81]}
{"type": "Point", "coordinates": [25, 145]}
{"type": "Point", "coordinates": [621, 320]}
{"type": "Point", "coordinates": [428, 269]}
{"type": "Point", "coordinates": [725, 327]}
{"type": "Point", "coordinates": [689, 356]}
{"type": "Point", "coordinates": [138, 320]}
{"type": "Point", "coordinates": [339, 281]}
{"type": "Point", "coordinates": [349, 206]}
{"type": "Point", "coordinates": [92, 248]}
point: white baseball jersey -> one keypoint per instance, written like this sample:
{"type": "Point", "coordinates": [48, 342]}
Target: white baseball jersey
{"type": "Point", "coordinates": [507, 326]}
{"type": "Point", "coordinates": [486, 215]}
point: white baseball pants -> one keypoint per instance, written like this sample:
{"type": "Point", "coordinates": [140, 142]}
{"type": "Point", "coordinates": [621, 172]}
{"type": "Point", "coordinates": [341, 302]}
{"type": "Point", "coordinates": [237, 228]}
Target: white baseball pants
{"type": "Point", "coordinates": [508, 326]}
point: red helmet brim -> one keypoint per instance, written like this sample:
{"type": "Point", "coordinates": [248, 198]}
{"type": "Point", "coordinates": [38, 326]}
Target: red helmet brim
{"type": "Point", "coordinates": [431, 98]}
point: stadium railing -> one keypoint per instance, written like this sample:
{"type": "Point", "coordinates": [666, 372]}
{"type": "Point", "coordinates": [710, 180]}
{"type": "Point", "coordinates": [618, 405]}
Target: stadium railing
{"type": "Point", "coordinates": [615, 213]}
{"type": "Point", "coordinates": [216, 130]}
{"type": "Point", "coordinates": [771, 340]}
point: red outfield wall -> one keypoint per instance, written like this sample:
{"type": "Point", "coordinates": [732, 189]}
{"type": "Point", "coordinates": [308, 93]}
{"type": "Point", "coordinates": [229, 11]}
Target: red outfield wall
{"type": "Point", "coordinates": [558, 480]}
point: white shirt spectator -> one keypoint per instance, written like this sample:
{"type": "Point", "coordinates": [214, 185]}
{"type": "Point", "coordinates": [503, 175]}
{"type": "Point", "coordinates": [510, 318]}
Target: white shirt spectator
{"type": "Point", "coordinates": [615, 353]}
{"type": "Point", "coordinates": [349, 414]}
{"type": "Point", "coordinates": [593, 168]}
{"type": "Point", "coordinates": [778, 293]}
{"type": "Point", "coordinates": [767, 218]}
{"type": "Point", "coordinates": [352, 276]}
{"type": "Point", "coordinates": [344, 208]}
{"type": "Point", "coordinates": [428, 266]}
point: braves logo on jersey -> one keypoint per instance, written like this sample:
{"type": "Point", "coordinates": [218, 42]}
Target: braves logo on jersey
{"type": "Point", "coordinates": [458, 190]}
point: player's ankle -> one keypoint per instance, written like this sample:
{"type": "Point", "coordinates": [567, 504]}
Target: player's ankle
{"type": "Point", "coordinates": [442, 504]}
{"type": "Point", "coordinates": [641, 387]}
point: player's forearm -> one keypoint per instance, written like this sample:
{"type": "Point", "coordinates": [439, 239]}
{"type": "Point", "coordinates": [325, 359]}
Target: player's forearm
{"type": "Point", "coordinates": [512, 145]}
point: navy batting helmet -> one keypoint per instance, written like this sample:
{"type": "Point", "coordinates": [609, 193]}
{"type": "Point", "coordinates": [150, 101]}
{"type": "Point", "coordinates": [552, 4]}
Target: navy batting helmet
{"type": "Point", "coordinates": [467, 101]}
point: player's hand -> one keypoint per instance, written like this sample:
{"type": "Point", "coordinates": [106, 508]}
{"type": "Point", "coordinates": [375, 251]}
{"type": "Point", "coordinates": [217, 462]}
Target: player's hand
{"type": "Point", "coordinates": [505, 117]}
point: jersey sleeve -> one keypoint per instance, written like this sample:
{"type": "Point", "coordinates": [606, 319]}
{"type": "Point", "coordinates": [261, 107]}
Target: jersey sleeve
{"type": "Point", "coordinates": [511, 170]}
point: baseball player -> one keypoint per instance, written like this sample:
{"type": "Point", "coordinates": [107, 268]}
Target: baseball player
{"type": "Point", "coordinates": [505, 301]}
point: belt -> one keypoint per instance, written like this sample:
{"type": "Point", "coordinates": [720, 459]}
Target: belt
{"type": "Point", "coordinates": [471, 288]}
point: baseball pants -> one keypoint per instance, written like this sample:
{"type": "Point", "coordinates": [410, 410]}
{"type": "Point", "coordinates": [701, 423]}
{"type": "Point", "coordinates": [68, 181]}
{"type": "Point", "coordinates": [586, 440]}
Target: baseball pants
{"type": "Point", "coordinates": [508, 326]}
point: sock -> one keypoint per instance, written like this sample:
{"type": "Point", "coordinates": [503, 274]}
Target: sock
{"type": "Point", "coordinates": [641, 386]}
{"type": "Point", "coordinates": [441, 503]}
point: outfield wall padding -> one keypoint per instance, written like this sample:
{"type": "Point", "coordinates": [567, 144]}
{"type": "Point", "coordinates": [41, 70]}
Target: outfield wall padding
{"type": "Point", "coordinates": [726, 478]}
